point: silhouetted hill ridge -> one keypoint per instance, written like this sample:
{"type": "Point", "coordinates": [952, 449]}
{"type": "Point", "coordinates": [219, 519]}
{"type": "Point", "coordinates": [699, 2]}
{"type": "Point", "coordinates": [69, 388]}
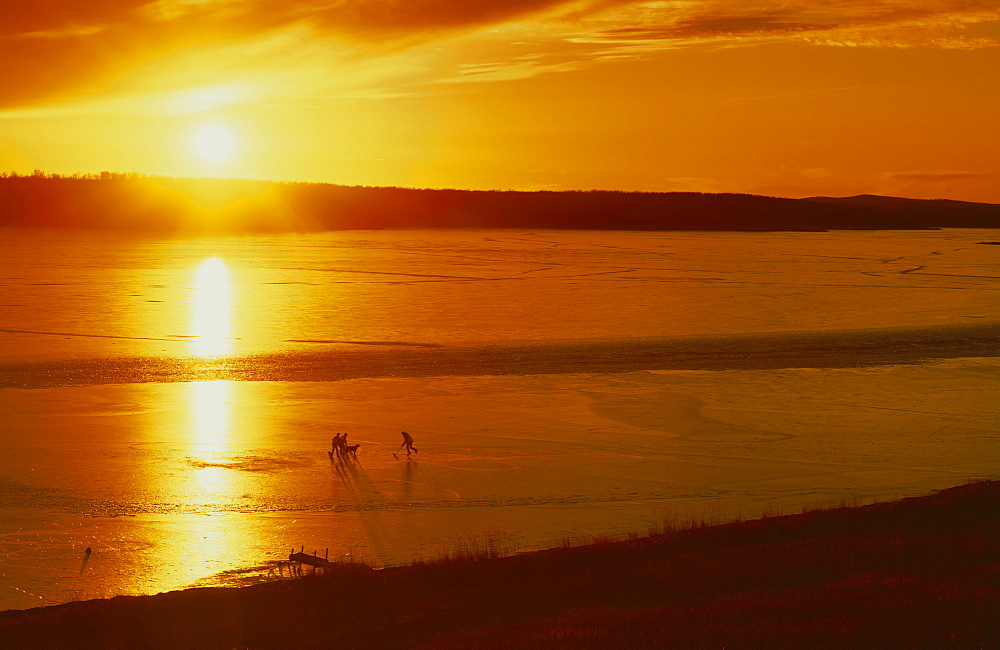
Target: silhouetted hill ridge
{"type": "Point", "coordinates": [876, 199]}
{"type": "Point", "coordinates": [136, 203]}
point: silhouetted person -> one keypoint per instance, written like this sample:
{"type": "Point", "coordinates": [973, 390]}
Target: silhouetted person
{"type": "Point", "coordinates": [408, 443]}
{"type": "Point", "coordinates": [338, 444]}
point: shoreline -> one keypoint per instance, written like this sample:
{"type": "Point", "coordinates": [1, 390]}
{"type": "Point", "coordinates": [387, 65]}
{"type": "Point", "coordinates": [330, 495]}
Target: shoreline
{"type": "Point", "coordinates": [539, 455]}
{"type": "Point", "coordinates": [918, 570]}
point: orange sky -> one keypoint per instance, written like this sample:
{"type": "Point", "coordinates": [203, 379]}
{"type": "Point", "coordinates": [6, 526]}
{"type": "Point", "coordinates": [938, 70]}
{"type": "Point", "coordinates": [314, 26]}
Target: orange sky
{"type": "Point", "coordinates": [832, 97]}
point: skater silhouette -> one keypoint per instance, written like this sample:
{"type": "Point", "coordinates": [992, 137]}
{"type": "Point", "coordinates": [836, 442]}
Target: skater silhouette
{"type": "Point", "coordinates": [408, 443]}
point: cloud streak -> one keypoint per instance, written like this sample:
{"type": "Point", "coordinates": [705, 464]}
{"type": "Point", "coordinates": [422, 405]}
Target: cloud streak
{"type": "Point", "coordinates": [73, 49]}
{"type": "Point", "coordinates": [885, 23]}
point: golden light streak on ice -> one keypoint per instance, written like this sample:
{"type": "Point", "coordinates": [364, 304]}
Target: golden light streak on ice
{"type": "Point", "coordinates": [211, 312]}
{"type": "Point", "coordinates": [210, 410]}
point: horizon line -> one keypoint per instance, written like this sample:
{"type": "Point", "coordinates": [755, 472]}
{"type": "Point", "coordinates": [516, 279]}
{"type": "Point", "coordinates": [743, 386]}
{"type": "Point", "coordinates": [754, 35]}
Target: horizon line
{"type": "Point", "coordinates": [39, 173]}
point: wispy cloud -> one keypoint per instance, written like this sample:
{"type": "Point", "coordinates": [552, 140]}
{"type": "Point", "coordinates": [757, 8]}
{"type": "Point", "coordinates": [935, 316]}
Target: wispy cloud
{"type": "Point", "coordinates": [292, 68]}
{"type": "Point", "coordinates": [73, 49]}
{"type": "Point", "coordinates": [661, 25]}
{"type": "Point", "coordinates": [518, 67]}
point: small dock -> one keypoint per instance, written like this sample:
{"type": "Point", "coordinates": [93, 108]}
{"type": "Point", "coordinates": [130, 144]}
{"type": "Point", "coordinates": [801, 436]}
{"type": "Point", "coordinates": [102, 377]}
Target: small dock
{"type": "Point", "coordinates": [312, 560]}
{"type": "Point", "coordinates": [296, 559]}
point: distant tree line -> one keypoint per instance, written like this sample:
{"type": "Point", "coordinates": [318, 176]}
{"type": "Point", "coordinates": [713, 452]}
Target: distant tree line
{"type": "Point", "coordinates": [145, 203]}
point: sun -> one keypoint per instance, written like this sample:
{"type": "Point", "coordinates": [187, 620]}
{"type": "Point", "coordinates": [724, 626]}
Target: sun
{"type": "Point", "coordinates": [213, 142]}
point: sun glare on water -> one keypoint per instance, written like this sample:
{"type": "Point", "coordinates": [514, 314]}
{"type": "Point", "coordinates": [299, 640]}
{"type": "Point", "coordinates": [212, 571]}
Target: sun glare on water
{"type": "Point", "coordinates": [214, 143]}
{"type": "Point", "coordinates": [210, 314]}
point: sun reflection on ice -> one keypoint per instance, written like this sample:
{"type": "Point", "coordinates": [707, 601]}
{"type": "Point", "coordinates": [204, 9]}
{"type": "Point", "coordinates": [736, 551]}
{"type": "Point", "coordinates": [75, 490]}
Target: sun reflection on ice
{"type": "Point", "coordinates": [211, 309]}
{"type": "Point", "coordinates": [210, 406]}
{"type": "Point", "coordinates": [210, 409]}
{"type": "Point", "coordinates": [207, 536]}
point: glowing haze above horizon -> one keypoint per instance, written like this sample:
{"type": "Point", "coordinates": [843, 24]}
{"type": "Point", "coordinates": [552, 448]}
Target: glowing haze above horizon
{"type": "Point", "coordinates": [787, 99]}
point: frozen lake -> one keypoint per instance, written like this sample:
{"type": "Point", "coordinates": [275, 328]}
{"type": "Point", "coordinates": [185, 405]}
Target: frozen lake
{"type": "Point", "coordinates": [169, 403]}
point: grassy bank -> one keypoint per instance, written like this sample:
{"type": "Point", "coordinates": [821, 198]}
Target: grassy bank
{"type": "Point", "coordinates": [916, 573]}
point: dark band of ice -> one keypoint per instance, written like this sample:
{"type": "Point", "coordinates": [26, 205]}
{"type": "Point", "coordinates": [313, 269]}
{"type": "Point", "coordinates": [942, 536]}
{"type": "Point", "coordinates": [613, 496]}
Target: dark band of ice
{"type": "Point", "coordinates": [830, 349]}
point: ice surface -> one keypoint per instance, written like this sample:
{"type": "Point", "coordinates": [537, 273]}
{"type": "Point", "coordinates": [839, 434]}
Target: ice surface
{"type": "Point", "coordinates": [559, 385]}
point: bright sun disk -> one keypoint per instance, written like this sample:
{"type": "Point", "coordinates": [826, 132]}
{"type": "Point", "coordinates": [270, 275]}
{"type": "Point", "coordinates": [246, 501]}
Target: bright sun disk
{"type": "Point", "coordinates": [214, 143]}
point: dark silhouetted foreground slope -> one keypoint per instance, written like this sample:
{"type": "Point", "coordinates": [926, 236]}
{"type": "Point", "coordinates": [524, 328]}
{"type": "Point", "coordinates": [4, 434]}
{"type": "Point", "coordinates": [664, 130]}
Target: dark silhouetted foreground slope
{"type": "Point", "coordinates": [135, 203]}
{"type": "Point", "coordinates": [917, 573]}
